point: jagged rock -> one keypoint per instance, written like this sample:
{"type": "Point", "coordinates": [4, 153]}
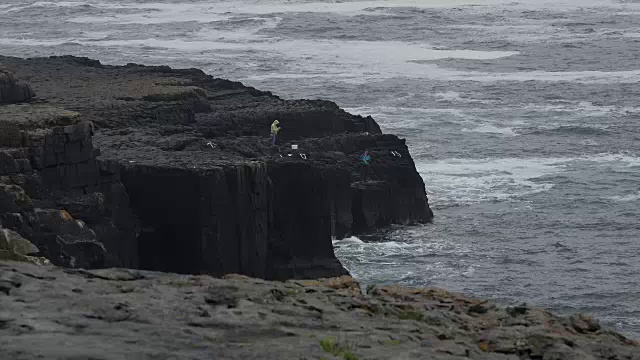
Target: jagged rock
{"type": "Point", "coordinates": [116, 313]}
{"type": "Point", "coordinates": [64, 240]}
{"type": "Point", "coordinates": [12, 91]}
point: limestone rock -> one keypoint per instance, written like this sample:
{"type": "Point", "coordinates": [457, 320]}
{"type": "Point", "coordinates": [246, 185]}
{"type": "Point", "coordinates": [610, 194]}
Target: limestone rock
{"type": "Point", "coordinates": [14, 247]}
{"type": "Point", "coordinates": [12, 241]}
{"type": "Point", "coordinates": [7, 255]}
{"type": "Point", "coordinates": [118, 313]}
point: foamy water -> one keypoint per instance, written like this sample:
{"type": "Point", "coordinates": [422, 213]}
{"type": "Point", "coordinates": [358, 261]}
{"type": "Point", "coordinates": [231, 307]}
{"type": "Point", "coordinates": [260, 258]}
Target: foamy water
{"type": "Point", "coordinates": [522, 118]}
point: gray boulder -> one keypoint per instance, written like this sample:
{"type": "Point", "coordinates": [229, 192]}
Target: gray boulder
{"type": "Point", "coordinates": [12, 241]}
{"type": "Point", "coordinates": [14, 247]}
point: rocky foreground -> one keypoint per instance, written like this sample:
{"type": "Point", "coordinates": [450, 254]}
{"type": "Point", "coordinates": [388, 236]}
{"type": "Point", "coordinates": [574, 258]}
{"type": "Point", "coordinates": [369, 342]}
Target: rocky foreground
{"type": "Point", "coordinates": [53, 313]}
{"type": "Point", "coordinates": [172, 170]}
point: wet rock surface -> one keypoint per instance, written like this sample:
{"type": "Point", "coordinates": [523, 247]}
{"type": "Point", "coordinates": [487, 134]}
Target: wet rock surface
{"type": "Point", "coordinates": [119, 313]}
{"type": "Point", "coordinates": [173, 170]}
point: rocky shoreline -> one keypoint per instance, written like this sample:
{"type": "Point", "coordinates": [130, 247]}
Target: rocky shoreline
{"type": "Point", "coordinates": [53, 313]}
{"type": "Point", "coordinates": [172, 170]}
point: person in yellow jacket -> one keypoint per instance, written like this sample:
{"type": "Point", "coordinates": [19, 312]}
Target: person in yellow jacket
{"type": "Point", "coordinates": [274, 132]}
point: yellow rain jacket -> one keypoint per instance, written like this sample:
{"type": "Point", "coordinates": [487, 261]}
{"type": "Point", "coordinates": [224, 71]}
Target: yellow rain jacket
{"type": "Point", "coordinates": [274, 127]}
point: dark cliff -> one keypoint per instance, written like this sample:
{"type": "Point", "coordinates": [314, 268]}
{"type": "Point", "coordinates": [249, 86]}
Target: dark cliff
{"type": "Point", "coordinates": [172, 170]}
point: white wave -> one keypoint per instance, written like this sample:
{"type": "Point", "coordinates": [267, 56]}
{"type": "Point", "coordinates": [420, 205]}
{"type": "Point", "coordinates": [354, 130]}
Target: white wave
{"type": "Point", "coordinates": [534, 31]}
{"type": "Point", "coordinates": [349, 240]}
{"type": "Point", "coordinates": [14, 8]}
{"type": "Point", "coordinates": [631, 76]}
{"type": "Point", "coordinates": [395, 260]}
{"type": "Point", "coordinates": [384, 249]}
{"type": "Point", "coordinates": [72, 4]}
{"type": "Point", "coordinates": [245, 33]}
{"type": "Point", "coordinates": [491, 129]}
{"type": "Point", "coordinates": [401, 111]}
{"type": "Point", "coordinates": [449, 96]}
{"type": "Point", "coordinates": [481, 120]}
{"type": "Point", "coordinates": [466, 181]}
{"type": "Point", "coordinates": [469, 181]}
{"type": "Point", "coordinates": [624, 160]}
{"type": "Point", "coordinates": [152, 18]}
{"type": "Point", "coordinates": [393, 249]}
{"type": "Point", "coordinates": [379, 61]}
{"type": "Point", "coordinates": [568, 125]}
{"type": "Point", "coordinates": [175, 44]}
{"type": "Point", "coordinates": [357, 62]}
{"type": "Point", "coordinates": [392, 118]}
{"type": "Point", "coordinates": [361, 60]}
{"type": "Point", "coordinates": [626, 198]}
{"type": "Point", "coordinates": [454, 96]}
{"type": "Point", "coordinates": [585, 108]}
{"type": "Point", "coordinates": [36, 42]}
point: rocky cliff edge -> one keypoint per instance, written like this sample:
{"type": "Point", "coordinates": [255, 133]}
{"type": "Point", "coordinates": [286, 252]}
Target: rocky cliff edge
{"type": "Point", "coordinates": [172, 170]}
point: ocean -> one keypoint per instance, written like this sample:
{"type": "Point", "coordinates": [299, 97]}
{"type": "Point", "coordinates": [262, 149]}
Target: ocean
{"type": "Point", "coordinates": [522, 116]}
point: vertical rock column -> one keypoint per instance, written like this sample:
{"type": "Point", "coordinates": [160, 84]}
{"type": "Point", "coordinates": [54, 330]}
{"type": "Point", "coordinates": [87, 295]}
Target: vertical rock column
{"type": "Point", "coordinates": [304, 212]}
{"type": "Point", "coordinates": [210, 221]}
{"type": "Point", "coordinates": [234, 214]}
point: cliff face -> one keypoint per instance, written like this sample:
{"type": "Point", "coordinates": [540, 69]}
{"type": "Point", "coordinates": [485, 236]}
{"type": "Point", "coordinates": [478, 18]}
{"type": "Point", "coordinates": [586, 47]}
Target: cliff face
{"type": "Point", "coordinates": [172, 170]}
{"type": "Point", "coordinates": [116, 314]}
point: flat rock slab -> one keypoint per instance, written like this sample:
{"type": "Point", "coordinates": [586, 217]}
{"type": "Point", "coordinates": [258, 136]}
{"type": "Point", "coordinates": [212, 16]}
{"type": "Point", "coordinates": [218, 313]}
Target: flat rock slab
{"type": "Point", "coordinates": [52, 313]}
{"type": "Point", "coordinates": [36, 116]}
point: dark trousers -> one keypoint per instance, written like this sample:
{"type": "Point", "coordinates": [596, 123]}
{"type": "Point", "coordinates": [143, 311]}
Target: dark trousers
{"type": "Point", "coordinates": [364, 171]}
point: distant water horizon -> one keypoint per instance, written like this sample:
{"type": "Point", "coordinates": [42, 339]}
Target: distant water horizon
{"type": "Point", "coordinates": [522, 118]}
